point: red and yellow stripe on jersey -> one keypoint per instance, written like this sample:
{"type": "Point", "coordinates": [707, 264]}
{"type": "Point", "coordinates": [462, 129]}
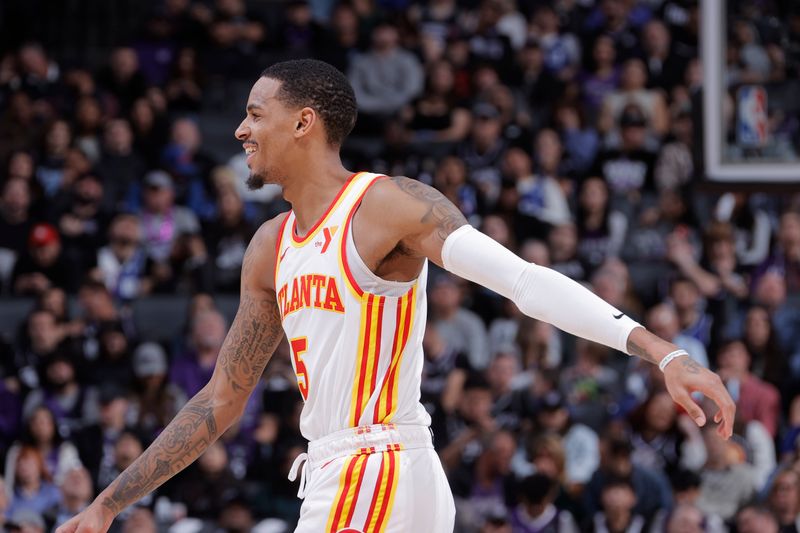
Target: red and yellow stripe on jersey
{"type": "Point", "coordinates": [369, 343]}
{"type": "Point", "coordinates": [386, 405]}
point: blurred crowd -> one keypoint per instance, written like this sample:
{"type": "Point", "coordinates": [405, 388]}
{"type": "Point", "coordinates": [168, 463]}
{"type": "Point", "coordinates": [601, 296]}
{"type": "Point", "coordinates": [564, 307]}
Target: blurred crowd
{"type": "Point", "coordinates": [568, 130]}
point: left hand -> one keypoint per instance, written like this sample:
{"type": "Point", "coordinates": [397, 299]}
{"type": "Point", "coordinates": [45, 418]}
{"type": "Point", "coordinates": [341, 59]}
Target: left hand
{"type": "Point", "coordinates": [683, 376]}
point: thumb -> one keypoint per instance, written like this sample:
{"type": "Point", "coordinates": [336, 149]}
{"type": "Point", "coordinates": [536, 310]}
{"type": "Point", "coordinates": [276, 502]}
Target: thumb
{"type": "Point", "coordinates": [683, 399]}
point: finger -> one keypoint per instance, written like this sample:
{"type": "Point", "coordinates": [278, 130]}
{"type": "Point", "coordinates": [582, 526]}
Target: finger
{"type": "Point", "coordinates": [683, 398]}
{"type": "Point", "coordinates": [68, 526]}
{"type": "Point", "coordinates": [718, 417]}
{"type": "Point", "coordinates": [719, 395]}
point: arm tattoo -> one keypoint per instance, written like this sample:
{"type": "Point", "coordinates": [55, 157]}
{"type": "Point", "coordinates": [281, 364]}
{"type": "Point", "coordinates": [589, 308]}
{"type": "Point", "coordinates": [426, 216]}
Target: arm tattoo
{"type": "Point", "coordinates": [254, 335]}
{"type": "Point", "coordinates": [441, 211]}
{"type": "Point", "coordinates": [635, 349]}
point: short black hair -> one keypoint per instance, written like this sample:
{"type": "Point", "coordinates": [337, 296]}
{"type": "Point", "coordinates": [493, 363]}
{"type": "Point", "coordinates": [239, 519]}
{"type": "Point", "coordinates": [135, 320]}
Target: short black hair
{"type": "Point", "coordinates": [323, 88]}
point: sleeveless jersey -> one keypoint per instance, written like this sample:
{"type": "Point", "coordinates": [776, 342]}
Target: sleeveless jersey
{"type": "Point", "coordinates": [355, 339]}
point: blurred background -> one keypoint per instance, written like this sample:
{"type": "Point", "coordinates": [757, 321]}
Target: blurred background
{"type": "Point", "coordinates": [571, 131]}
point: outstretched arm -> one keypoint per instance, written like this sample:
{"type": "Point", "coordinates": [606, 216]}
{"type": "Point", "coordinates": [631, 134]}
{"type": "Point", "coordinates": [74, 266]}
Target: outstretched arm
{"type": "Point", "coordinates": [433, 227]}
{"type": "Point", "coordinates": [254, 335]}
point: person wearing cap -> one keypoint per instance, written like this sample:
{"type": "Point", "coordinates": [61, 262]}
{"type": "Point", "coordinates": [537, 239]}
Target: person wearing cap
{"type": "Point", "coordinates": [483, 150]}
{"type": "Point", "coordinates": [629, 169]}
{"type": "Point", "coordinates": [171, 232]}
{"type": "Point", "coordinates": [156, 400]}
{"type": "Point", "coordinates": [43, 265]}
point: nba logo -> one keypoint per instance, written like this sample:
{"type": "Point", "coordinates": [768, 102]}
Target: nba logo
{"type": "Point", "coordinates": [751, 117]}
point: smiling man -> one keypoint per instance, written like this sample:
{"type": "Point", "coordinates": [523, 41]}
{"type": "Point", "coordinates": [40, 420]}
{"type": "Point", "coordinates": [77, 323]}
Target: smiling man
{"type": "Point", "coordinates": [343, 276]}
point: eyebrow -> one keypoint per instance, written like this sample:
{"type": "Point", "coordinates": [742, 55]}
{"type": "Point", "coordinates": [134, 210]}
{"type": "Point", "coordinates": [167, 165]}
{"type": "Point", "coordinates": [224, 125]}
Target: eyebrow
{"type": "Point", "coordinates": [251, 107]}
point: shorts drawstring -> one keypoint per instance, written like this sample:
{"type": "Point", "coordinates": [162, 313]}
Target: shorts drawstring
{"type": "Point", "coordinates": [297, 464]}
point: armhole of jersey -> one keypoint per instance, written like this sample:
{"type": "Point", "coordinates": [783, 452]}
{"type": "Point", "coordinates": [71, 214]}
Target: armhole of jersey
{"type": "Point", "coordinates": [350, 280]}
{"type": "Point", "coordinates": [278, 242]}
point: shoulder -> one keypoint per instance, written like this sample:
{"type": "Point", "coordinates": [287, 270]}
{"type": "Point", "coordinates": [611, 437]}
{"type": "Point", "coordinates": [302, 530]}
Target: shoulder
{"type": "Point", "coordinates": [398, 197]}
{"type": "Point", "coordinates": [259, 261]}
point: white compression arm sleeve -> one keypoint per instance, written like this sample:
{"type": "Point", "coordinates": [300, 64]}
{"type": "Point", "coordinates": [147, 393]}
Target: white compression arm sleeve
{"type": "Point", "coordinates": [539, 292]}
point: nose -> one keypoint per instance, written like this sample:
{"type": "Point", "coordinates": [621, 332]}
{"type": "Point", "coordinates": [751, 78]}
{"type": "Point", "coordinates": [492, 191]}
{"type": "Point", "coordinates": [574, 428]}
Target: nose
{"type": "Point", "coordinates": [242, 132]}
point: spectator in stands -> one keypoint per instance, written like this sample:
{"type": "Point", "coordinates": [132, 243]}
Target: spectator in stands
{"type": "Point", "coordinates": [618, 501]}
{"type": "Point", "coordinates": [236, 35]}
{"type": "Point", "coordinates": [492, 480]}
{"type": "Point", "coordinates": [26, 521]}
{"type": "Point", "coordinates": [122, 263]}
{"type": "Point", "coordinates": [663, 439]}
{"type": "Point", "coordinates": [665, 68]}
{"type": "Point", "coordinates": [602, 79]}
{"type": "Point", "coordinates": [122, 78]}
{"type": "Point", "coordinates": [690, 306]}
{"type": "Point", "coordinates": [96, 441]}
{"type": "Point", "coordinates": [141, 520]}
{"type": "Point", "coordinates": [755, 399]}
{"type": "Point", "coordinates": [769, 361]}
{"type": "Point", "coordinates": [751, 225]}
{"type": "Point", "coordinates": [436, 116]}
{"type": "Point", "coordinates": [42, 339]}
{"type": "Point", "coordinates": [539, 88]}
{"type": "Point", "coordinates": [171, 238]}
{"type": "Point", "coordinates": [120, 165]}
{"type": "Point", "coordinates": [40, 433]}
{"type": "Point", "coordinates": [753, 518]}
{"type": "Point", "coordinates": [540, 201]}
{"type": "Point", "coordinates": [488, 44]}
{"type": "Point", "coordinates": [226, 237]}
{"type": "Point", "coordinates": [590, 385]}
{"type": "Point", "coordinates": [483, 150]}
{"type": "Point", "coordinates": [113, 363]}
{"type": "Point", "coordinates": [663, 320]}
{"type": "Point", "coordinates": [784, 499]}
{"type": "Point", "coordinates": [632, 91]}
{"type": "Point", "coordinates": [33, 488]}
{"type": "Point", "coordinates": [581, 453]}
{"type": "Point", "coordinates": [61, 393]}
{"type": "Point", "coordinates": [82, 222]}
{"type": "Point", "coordinates": [191, 370]}
{"type": "Point", "coordinates": [563, 246]}
{"type": "Point", "coordinates": [460, 328]}
{"type": "Point", "coordinates": [50, 170]}
{"type": "Point", "coordinates": [601, 229]}
{"type": "Point", "coordinates": [562, 51]}
{"type": "Point", "coordinates": [88, 124]}
{"type": "Point", "coordinates": [150, 132]}
{"type": "Point", "coordinates": [629, 168]}
{"type": "Point", "coordinates": [785, 257]}
{"type": "Point", "coordinates": [189, 166]}
{"type": "Point", "coordinates": [339, 42]}
{"type": "Point", "coordinates": [650, 488]}
{"type": "Point", "coordinates": [727, 482]}
{"type": "Point", "coordinates": [536, 510]}
{"type": "Point", "coordinates": [444, 372]}
{"type": "Point", "coordinates": [76, 494]}
{"type": "Point", "coordinates": [451, 179]}
{"type": "Point", "coordinates": [15, 219]}
{"type": "Point", "coordinates": [208, 484]}
{"type": "Point", "coordinates": [184, 89]}
{"type": "Point", "coordinates": [675, 165]}
{"type": "Point", "coordinates": [155, 400]}
{"type": "Point", "coordinates": [384, 79]}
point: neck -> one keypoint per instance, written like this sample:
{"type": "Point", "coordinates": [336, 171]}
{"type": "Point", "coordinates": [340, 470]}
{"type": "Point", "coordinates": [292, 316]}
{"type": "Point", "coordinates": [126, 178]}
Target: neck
{"type": "Point", "coordinates": [312, 188]}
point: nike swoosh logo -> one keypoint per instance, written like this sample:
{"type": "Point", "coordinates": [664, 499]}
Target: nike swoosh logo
{"type": "Point", "coordinates": [619, 316]}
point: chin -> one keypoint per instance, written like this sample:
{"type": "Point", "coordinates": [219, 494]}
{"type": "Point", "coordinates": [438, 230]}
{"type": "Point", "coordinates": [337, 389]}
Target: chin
{"type": "Point", "coordinates": [255, 181]}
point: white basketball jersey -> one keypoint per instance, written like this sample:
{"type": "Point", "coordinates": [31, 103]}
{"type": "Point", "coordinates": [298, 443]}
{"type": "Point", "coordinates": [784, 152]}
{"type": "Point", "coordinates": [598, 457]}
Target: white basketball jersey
{"type": "Point", "coordinates": [356, 339]}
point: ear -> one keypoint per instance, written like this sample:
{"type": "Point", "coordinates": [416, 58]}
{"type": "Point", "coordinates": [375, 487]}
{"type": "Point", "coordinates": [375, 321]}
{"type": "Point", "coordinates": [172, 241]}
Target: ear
{"type": "Point", "coordinates": [306, 120]}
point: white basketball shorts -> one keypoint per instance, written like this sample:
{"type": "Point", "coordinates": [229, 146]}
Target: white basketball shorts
{"type": "Point", "coordinates": [374, 479]}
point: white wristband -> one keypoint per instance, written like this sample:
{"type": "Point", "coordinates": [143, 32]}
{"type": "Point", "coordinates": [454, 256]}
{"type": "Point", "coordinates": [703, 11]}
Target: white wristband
{"type": "Point", "coordinates": [669, 357]}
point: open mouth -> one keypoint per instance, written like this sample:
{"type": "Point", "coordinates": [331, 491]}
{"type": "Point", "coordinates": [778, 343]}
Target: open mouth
{"type": "Point", "coordinates": [250, 150]}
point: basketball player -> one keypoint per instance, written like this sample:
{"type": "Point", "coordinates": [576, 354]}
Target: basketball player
{"type": "Point", "coordinates": [343, 276]}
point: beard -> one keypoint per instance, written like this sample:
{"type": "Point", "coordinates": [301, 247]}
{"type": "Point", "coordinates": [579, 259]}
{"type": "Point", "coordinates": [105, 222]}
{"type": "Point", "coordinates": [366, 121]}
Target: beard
{"type": "Point", "coordinates": [255, 181]}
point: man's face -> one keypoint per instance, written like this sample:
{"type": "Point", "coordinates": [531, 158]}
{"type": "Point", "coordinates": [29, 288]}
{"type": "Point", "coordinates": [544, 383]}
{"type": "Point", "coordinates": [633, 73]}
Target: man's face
{"type": "Point", "coordinates": [267, 134]}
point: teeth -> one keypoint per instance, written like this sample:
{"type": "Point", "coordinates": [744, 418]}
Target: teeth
{"type": "Point", "coordinates": [249, 150]}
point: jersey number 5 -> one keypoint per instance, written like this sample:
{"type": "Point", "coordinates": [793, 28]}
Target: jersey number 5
{"type": "Point", "coordinates": [299, 346]}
